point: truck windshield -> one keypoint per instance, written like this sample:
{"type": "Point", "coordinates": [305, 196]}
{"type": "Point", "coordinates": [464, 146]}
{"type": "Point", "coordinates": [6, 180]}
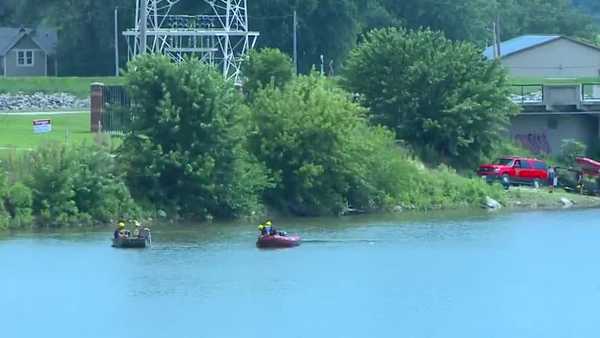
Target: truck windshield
{"type": "Point", "coordinates": [504, 161]}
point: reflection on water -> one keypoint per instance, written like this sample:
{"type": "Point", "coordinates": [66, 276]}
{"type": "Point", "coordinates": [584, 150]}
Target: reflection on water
{"type": "Point", "coordinates": [438, 275]}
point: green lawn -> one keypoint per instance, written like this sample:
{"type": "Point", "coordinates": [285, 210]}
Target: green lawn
{"type": "Point", "coordinates": [16, 132]}
{"type": "Point", "coordinates": [78, 86]}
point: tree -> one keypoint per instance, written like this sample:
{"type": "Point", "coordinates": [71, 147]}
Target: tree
{"type": "Point", "coordinates": [589, 6]}
{"type": "Point", "coordinates": [185, 152]}
{"type": "Point", "coordinates": [458, 19]}
{"type": "Point", "coordinates": [320, 150]}
{"type": "Point", "coordinates": [519, 17]}
{"type": "Point", "coordinates": [64, 185]}
{"type": "Point", "coordinates": [266, 66]}
{"type": "Point", "coordinates": [570, 149]}
{"type": "Point", "coordinates": [439, 96]}
{"type": "Point", "coordinates": [374, 14]}
{"type": "Point", "coordinates": [18, 203]}
{"type": "Point", "coordinates": [325, 27]}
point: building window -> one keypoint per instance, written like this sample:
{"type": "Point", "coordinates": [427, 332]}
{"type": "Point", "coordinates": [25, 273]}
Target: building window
{"type": "Point", "coordinates": [25, 58]}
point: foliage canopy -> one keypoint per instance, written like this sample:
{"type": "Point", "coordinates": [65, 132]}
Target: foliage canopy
{"type": "Point", "coordinates": [325, 27]}
{"type": "Point", "coordinates": [266, 66]}
{"type": "Point", "coordinates": [440, 96]}
{"type": "Point", "coordinates": [186, 149]}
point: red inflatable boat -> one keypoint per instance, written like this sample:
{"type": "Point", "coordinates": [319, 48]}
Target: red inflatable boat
{"type": "Point", "coordinates": [277, 241]}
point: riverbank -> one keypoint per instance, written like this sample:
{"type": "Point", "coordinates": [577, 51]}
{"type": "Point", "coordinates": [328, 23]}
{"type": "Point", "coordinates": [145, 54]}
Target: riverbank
{"type": "Point", "coordinates": [516, 199]}
{"type": "Point", "coordinates": [525, 198]}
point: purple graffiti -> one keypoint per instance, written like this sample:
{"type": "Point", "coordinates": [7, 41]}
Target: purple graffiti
{"type": "Point", "coordinates": [535, 142]}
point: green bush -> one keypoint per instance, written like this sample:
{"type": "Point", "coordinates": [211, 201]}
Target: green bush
{"type": "Point", "coordinates": [19, 202]}
{"type": "Point", "coordinates": [300, 133]}
{"type": "Point", "coordinates": [100, 190]}
{"type": "Point", "coordinates": [4, 217]}
{"type": "Point", "coordinates": [185, 152]}
{"type": "Point", "coordinates": [440, 96]}
{"type": "Point", "coordinates": [324, 156]}
{"type": "Point", "coordinates": [50, 178]}
{"type": "Point", "coordinates": [57, 185]}
{"type": "Point", "coordinates": [569, 150]}
{"type": "Point", "coordinates": [264, 67]}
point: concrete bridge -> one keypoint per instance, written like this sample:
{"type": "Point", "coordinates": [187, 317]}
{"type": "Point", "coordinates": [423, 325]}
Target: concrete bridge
{"type": "Point", "coordinates": [552, 113]}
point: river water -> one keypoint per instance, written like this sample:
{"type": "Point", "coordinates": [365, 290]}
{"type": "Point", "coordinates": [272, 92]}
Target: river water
{"type": "Point", "coordinates": [515, 275]}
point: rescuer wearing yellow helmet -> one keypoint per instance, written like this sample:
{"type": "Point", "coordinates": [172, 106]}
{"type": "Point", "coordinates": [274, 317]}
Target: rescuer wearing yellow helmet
{"type": "Point", "coordinates": [265, 228]}
{"type": "Point", "coordinates": [120, 232]}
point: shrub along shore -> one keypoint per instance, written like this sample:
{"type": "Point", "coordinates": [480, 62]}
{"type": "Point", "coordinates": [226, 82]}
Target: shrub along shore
{"type": "Point", "coordinates": [199, 149]}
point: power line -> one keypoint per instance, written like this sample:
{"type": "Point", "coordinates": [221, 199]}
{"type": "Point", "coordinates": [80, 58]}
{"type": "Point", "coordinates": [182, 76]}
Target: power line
{"type": "Point", "coordinates": [270, 17]}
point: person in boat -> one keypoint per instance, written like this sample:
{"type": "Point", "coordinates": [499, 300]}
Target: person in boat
{"type": "Point", "coordinates": [137, 229]}
{"type": "Point", "coordinates": [269, 228]}
{"type": "Point", "coordinates": [141, 231]}
{"type": "Point", "coordinates": [271, 231]}
{"type": "Point", "coordinates": [265, 228]}
{"type": "Point", "coordinates": [120, 231]}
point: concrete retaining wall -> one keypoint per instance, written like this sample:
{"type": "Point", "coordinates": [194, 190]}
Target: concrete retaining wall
{"type": "Point", "coordinates": [544, 133]}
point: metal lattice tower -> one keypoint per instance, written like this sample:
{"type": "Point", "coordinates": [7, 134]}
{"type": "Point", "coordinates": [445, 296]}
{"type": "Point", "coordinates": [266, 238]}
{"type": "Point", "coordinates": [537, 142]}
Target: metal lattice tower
{"type": "Point", "coordinates": [221, 38]}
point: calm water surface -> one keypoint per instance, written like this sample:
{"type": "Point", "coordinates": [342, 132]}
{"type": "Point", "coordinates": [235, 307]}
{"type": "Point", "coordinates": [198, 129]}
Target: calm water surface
{"type": "Point", "coordinates": [506, 275]}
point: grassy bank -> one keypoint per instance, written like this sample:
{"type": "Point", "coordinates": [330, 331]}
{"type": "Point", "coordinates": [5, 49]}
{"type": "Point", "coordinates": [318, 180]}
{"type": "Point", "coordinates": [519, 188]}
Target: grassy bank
{"type": "Point", "coordinates": [531, 80]}
{"type": "Point", "coordinates": [78, 86]}
{"type": "Point", "coordinates": [528, 198]}
{"type": "Point", "coordinates": [16, 131]}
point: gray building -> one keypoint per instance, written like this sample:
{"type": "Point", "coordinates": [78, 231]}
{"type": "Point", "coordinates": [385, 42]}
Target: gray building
{"type": "Point", "coordinates": [28, 52]}
{"type": "Point", "coordinates": [552, 113]}
{"type": "Point", "coordinates": [548, 56]}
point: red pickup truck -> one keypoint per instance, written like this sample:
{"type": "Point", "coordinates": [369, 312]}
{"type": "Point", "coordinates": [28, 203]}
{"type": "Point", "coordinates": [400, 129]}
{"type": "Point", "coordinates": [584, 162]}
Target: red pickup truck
{"type": "Point", "coordinates": [517, 170]}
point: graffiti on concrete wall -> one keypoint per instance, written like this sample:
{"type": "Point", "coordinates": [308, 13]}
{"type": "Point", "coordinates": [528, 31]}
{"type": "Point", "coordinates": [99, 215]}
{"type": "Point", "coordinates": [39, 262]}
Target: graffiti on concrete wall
{"type": "Point", "coordinates": [536, 142]}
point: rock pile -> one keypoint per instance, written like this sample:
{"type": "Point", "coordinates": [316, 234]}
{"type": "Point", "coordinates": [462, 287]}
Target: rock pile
{"type": "Point", "coordinates": [42, 102]}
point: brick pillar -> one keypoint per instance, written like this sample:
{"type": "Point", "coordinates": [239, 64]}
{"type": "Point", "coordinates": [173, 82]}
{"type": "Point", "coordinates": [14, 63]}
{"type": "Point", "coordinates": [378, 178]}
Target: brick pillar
{"type": "Point", "coordinates": [97, 106]}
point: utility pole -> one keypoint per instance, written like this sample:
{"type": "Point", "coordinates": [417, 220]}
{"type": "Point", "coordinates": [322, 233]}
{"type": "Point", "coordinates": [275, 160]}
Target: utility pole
{"type": "Point", "coordinates": [143, 26]}
{"type": "Point", "coordinates": [295, 41]}
{"type": "Point", "coordinates": [495, 42]}
{"type": "Point", "coordinates": [498, 36]}
{"type": "Point", "coordinates": [116, 41]}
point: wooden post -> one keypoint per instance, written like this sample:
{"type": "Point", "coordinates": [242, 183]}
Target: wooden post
{"type": "Point", "coordinates": [97, 106]}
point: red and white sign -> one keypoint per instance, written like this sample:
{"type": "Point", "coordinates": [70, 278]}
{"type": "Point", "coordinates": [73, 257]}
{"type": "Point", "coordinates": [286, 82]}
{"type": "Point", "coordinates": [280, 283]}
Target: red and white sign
{"type": "Point", "coordinates": [42, 126]}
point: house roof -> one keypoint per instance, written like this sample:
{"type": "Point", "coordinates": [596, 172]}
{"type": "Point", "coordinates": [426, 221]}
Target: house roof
{"type": "Point", "coordinates": [520, 43]}
{"type": "Point", "coordinates": [47, 39]}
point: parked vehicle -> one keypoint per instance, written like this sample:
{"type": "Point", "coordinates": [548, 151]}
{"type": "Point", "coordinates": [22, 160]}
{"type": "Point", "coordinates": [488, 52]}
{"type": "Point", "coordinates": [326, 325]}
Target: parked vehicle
{"type": "Point", "coordinates": [516, 170]}
{"type": "Point", "coordinates": [588, 166]}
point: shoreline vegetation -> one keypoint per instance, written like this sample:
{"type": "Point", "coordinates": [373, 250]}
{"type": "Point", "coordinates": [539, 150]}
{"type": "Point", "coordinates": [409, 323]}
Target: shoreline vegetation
{"type": "Point", "coordinates": [92, 194]}
{"type": "Point", "coordinates": [199, 149]}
